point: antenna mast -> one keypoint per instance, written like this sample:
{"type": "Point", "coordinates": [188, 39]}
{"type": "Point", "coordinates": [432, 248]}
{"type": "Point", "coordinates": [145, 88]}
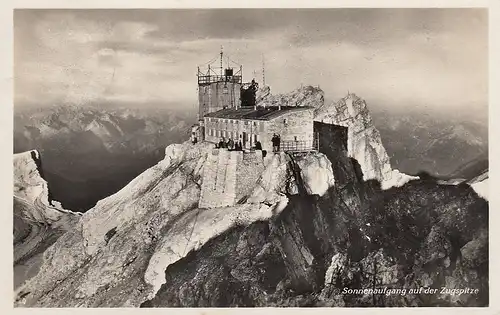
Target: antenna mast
{"type": "Point", "coordinates": [263, 72]}
{"type": "Point", "coordinates": [221, 53]}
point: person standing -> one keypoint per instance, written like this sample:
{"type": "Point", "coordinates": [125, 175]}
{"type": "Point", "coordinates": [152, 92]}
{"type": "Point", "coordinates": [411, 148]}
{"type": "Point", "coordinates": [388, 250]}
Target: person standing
{"type": "Point", "coordinates": [258, 145]}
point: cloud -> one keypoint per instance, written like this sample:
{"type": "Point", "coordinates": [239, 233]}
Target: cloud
{"type": "Point", "coordinates": [398, 57]}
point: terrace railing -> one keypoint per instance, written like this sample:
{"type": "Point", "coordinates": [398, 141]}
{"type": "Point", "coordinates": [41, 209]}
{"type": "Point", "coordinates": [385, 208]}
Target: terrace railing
{"type": "Point", "coordinates": [207, 79]}
{"type": "Point", "coordinates": [299, 146]}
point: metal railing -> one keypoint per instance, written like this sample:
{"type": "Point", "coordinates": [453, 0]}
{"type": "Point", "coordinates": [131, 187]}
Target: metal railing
{"type": "Point", "coordinates": [207, 79]}
{"type": "Point", "coordinates": [299, 146]}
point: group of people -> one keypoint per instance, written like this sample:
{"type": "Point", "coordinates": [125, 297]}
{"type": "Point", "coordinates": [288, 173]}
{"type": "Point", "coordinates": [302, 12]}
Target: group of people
{"type": "Point", "coordinates": [276, 140]}
{"type": "Point", "coordinates": [230, 144]}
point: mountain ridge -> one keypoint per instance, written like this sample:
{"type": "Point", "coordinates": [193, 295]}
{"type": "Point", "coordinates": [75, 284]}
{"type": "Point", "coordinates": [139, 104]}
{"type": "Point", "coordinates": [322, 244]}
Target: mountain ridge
{"type": "Point", "coordinates": [150, 244]}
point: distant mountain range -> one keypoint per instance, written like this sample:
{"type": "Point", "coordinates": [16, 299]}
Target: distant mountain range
{"type": "Point", "coordinates": [304, 228]}
{"type": "Point", "coordinates": [442, 146]}
{"type": "Point", "coordinates": [90, 153]}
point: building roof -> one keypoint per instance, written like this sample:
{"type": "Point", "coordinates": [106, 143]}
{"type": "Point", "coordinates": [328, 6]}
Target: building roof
{"type": "Point", "coordinates": [261, 113]}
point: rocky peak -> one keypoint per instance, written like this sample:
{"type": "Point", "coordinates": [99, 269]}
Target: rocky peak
{"type": "Point", "coordinates": [303, 96]}
{"type": "Point", "coordinates": [364, 142]}
{"type": "Point", "coordinates": [155, 221]}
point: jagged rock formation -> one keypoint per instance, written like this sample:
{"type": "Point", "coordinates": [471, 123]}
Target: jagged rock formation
{"type": "Point", "coordinates": [262, 93]}
{"type": "Point", "coordinates": [419, 235]}
{"type": "Point", "coordinates": [127, 240]}
{"type": "Point", "coordinates": [363, 142]}
{"type": "Point", "coordinates": [38, 220]}
{"type": "Point", "coordinates": [303, 96]}
{"type": "Point", "coordinates": [310, 225]}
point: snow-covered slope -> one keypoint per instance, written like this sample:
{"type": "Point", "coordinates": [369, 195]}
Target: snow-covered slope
{"type": "Point", "coordinates": [480, 184]}
{"type": "Point", "coordinates": [38, 221]}
{"type": "Point", "coordinates": [128, 239]}
{"type": "Point", "coordinates": [151, 242]}
{"type": "Point", "coordinates": [482, 188]}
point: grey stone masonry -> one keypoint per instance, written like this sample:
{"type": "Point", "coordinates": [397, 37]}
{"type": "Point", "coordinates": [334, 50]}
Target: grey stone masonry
{"type": "Point", "coordinates": [228, 176]}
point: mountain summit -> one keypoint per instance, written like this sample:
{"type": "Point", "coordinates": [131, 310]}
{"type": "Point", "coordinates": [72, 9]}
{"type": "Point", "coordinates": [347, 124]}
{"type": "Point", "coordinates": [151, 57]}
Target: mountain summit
{"type": "Point", "coordinates": [211, 227]}
{"type": "Point", "coordinates": [363, 140]}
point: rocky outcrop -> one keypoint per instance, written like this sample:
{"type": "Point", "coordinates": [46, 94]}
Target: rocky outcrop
{"type": "Point", "coordinates": [127, 240]}
{"type": "Point", "coordinates": [311, 226]}
{"type": "Point", "coordinates": [315, 253]}
{"type": "Point", "coordinates": [363, 140]}
{"type": "Point", "coordinates": [303, 96]}
{"type": "Point", "coordinates": [38, 220]}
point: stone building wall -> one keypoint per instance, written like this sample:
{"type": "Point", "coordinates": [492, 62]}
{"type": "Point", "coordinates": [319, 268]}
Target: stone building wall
{"type": "Point", "coordinates": [216, 128]}
{"type": "Point", "coordinates": [296, 125]}
{"type": "Point", "coordinates": [218, 187]}
{"type": "Point", "coordinates": [248, 172]}
{"type": "Point", "coordinates": [228, 176]}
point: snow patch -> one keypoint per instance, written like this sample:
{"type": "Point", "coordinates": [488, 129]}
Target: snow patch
{"type": "Point", "coordinates": [397, 179]}
{"type": "Point", "coordinates": [317, 174]}
{"type": "Point", "coordinates": [481, 188]}
{"type": "Point", "coordinates": [196, 228]}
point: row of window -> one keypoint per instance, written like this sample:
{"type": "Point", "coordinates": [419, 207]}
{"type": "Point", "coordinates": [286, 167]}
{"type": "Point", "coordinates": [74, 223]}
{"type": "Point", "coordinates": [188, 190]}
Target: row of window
{"type": "Point", "coordinates": [223, 134]}
{"type": "Point", "coordinates": [231, 121]}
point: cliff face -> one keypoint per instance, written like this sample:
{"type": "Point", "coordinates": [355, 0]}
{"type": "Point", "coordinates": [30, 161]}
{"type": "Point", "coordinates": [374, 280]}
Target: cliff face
{"type": "Point", "coordinates": [38, 220]}
{"type": "Point", "coordinates": [127, 240]}
{"type": "Point", "coordinates": [363, 142]}
{"type": "Point", "coordinates": [309, 226]}
{"type": "Point", "coordinates": [354, 236]}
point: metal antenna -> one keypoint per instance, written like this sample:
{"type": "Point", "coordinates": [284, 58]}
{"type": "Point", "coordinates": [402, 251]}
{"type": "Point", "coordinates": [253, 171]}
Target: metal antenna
{"type": "Point", "coordinates": [263, 72]}
{"type": "Point", "coordinates": [221, 53]}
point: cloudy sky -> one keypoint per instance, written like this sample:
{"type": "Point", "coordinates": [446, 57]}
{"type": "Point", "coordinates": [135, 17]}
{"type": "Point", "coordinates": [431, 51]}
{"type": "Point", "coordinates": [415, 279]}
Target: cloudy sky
{"type": "Point", "coordinates": [429, 58]}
